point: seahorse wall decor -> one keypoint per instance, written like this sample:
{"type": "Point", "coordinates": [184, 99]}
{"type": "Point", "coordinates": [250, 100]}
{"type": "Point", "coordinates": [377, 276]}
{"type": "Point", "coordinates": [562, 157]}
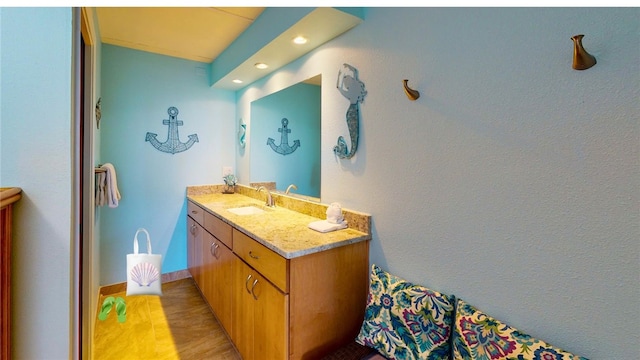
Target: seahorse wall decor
{"type": "Point", "coordinates": [353, 89]}
{"type": "Point", "coordinates": [242, 134]}
{"type": "Point", "coordinates": [173, 144]}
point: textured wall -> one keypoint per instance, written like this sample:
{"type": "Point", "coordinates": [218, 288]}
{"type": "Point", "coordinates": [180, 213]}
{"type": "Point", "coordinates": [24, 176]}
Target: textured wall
{"type": "Point", "coordinates": [137, 89]}
{"type": "Point", "coordinates": [35, 148]}
{"type": "Point", "coordinates": [513, 181]}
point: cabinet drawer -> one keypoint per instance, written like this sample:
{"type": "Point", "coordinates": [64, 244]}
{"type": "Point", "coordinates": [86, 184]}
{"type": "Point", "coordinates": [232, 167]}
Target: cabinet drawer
{"type": "Point", "coordinates": [196, 212]}
{"type": "Point", "coordinates": [218, 228]}
{"type": "Point", "coordinates": [271, 265]}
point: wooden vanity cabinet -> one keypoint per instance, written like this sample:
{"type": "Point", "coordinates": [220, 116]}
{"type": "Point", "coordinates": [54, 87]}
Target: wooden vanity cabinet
{"type": "Point", "coordinates": [272, 307]}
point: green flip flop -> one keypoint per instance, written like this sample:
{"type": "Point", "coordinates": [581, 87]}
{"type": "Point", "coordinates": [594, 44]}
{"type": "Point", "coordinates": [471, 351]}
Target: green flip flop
{"type": "Point", "coordinates": [121, 310]}
{"type": "Point", "coordinates": [107, 304]}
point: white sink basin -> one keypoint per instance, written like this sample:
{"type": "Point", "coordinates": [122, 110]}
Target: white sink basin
{"type": "Point", "coordinates": [246, 210]}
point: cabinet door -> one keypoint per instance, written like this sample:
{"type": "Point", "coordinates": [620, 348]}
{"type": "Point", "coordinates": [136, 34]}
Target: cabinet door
{"type": "Point", "coordinates": [198, 259]}
{"type": "Point", "coordinates": [243, 303]}
{"type": "Point", "coordinates": [194, 253]}
{"type": "Point", "coordinates": [217, 275]}
{"type": "Point", "coordinates": [260, 326]}
{"type": "Point", "coordinates": [270, 320]}
{"type": "Point", "coordinates": [206, 271]}
{"type": "Point", "coordinates": [223, 284]}
{"type": "Point", "coordinates": [190, 244]}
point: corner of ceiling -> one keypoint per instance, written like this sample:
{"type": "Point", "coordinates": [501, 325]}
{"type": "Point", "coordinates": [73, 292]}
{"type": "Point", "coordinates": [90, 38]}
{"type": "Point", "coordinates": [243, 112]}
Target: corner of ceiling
{"type": "Point", "coordinates": [268, 40]}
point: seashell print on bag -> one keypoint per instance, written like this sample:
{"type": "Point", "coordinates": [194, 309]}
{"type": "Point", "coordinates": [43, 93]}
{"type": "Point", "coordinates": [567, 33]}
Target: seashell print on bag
{"type": "Point", "coordinates": [144, 274]}
{"type": "Point", "coordinates": [143, 270]}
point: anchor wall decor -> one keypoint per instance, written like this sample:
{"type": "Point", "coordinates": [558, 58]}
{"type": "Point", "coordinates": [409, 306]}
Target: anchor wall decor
{"type": "Point", "coordinates": [353, 89]}
{"type": "Point", "coordinates": [173, 144]}
{"type": "Point", "coordinates": [284, 148]}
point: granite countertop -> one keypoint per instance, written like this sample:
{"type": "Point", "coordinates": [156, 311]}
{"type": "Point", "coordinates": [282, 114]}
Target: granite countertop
{"type": "Point", "coordinates": [280, 229]}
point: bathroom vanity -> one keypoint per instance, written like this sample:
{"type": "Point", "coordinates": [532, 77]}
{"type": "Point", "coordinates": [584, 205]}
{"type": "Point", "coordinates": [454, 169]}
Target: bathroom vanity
{"type": "Point", "coordinates": [279, 289]}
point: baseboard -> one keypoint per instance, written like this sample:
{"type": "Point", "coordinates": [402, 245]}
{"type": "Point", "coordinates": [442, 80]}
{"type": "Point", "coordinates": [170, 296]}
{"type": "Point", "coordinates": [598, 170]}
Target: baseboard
{"type": "Point", "coordinates": [168, 277]}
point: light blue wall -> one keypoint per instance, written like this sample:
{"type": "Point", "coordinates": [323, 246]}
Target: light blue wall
{"type": "Point", "coordinates": [137, 90]}
{"type": "Point", "coordinates": [513, 181]}
{"type": "Point", "coordinates": [300, 104]}
{"type": "Point", "coordinates": [35, 154]}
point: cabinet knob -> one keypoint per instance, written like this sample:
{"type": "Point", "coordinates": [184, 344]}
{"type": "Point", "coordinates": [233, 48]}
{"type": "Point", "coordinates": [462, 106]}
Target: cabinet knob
{"type": "Point", "coordinates": [253, 256]}
{"type": "Point", "coordinates": [246, 284]}
{"type": "Point", "coordinates": [213, 249]}
{"type": "Point", "coordinates": [193, 229]}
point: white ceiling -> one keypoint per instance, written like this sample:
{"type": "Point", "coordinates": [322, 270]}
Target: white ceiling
{"type": "Point", "coordinates": [192, 33]}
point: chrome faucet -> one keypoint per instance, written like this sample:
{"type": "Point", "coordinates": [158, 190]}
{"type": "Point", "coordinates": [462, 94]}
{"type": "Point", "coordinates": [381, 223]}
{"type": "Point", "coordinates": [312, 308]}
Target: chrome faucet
{"type": "Point", "coordinates": [269, 201]}
{"type": "Point", "coordinates": [289, 188]}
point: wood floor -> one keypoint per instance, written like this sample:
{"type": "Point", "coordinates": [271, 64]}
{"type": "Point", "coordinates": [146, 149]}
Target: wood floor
{"type": "Point", "coordinates": [176, 325]}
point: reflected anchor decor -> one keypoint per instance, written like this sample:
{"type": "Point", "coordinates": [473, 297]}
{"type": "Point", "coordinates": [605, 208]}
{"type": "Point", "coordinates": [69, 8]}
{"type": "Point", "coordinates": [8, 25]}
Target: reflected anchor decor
{"type": "Point", "coordinates": [173, 144]}
{"type": "Point", "coordinates": [284, 148]}
{"type": "Point", "coordinates": [353, 89]}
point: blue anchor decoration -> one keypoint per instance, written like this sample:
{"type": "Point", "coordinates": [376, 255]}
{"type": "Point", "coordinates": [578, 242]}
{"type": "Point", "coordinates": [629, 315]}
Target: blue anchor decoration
{"type": "Point", "coordinates": [353, 89]}
{"type": "Point", "coordinates": [284, 148]}
{"type": "Point", "coordinates": [173, 144]}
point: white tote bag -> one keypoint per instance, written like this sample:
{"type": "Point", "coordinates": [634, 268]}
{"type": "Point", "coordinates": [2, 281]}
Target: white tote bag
{"type": "Point", "coordinates": [144, 270]}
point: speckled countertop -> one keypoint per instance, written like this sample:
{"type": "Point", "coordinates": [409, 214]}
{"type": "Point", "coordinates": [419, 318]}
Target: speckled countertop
{"type": "Point", "coordinates": [280, 229]}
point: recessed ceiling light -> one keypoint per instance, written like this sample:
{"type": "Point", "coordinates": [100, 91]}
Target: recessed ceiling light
{"type": "Point", "coordinates": [300, 40]}
{"type": "Point", "coordinates": [237, 81]}
{"type": "Point", "coordinates": [261, 65]}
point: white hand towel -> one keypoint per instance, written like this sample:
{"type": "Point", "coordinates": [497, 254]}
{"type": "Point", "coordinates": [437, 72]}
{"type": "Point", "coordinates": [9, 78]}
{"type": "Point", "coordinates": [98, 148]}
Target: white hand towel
{"type": "Point", "coordinates": [324, 226]}
{"type": "Point", "coordinates": [113, 195]}
{"type": "Point", "coordinates": [101, 179]}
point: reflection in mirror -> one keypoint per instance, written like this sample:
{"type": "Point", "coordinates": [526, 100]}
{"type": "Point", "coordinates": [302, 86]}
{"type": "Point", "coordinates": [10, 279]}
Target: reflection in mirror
{"type": "Point", "coordinates": [300, 105]}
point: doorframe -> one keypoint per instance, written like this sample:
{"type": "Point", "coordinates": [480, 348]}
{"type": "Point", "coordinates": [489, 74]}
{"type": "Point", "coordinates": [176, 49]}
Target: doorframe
{"type": "Point", "coordinates": [85, 274]}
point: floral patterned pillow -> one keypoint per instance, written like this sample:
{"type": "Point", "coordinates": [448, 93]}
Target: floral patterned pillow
{"type": "Point", "coordinates": [479, 336]}
{"type": "Point", "coordinates": [406, 321]}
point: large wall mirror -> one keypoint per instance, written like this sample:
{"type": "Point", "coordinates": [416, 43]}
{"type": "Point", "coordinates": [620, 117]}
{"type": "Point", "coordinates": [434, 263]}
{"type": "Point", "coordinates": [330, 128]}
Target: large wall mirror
{"type": "Point", "coordinates": [288, 151]}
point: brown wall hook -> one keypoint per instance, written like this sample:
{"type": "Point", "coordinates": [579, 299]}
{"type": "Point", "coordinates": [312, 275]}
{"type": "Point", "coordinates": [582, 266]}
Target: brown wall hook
{"type": "Point", "coordinates": [411, 94]}
{"type": "Point", "coordinates": [582, 60]}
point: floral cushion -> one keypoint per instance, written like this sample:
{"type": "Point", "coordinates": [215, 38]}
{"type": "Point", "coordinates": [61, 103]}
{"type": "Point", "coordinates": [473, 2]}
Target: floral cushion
{"type": "Point", "coordinates": [481, 337]}
{"type": "Point", "coordinates": [406, 321]}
